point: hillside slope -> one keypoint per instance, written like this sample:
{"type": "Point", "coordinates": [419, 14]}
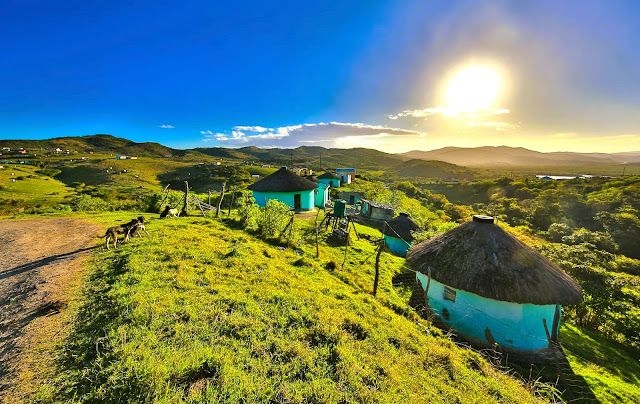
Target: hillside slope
{"type": "Point", "coordinates": [96, 143]}
{"type": "Point", "coordinates": [166, 319]}
{"type": "Point", "coordinates": [311, 156]}
{"type": "Point", "coordinates": [491, 156]}
{"type": "Point", "coordinates": [432, 169]}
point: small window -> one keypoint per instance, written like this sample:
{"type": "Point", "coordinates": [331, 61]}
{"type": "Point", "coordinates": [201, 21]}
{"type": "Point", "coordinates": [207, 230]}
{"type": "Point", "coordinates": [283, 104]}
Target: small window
{"type": "Point", "coordinates": [449, 294]}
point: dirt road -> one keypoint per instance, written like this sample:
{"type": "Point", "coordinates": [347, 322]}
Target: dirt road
{"type": "Point", "coordinates": [41, 261]}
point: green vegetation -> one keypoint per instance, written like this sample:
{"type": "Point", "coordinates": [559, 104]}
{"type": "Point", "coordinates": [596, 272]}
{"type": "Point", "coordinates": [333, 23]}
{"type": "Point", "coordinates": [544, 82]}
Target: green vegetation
{"type": "Point", "coordinates": [170, 314]}
{"type": "Point", "coordinates": [612, 374]}
{"type": "Point", "coordinates": [193, 314]}
{"type": "Point", "coordinates": [23, 187]}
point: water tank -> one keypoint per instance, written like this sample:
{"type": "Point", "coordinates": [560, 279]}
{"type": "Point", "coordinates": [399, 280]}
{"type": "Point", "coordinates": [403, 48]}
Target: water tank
{"type": "Point", "coordinates": [339, 207]}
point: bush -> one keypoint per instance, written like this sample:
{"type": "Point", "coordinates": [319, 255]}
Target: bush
{"type": "Point", "coordinates": [273, 218]}
{"type": "Point", "coordinates": [86, 203]}
{"type": "Point", "coordinates": [557, 231]}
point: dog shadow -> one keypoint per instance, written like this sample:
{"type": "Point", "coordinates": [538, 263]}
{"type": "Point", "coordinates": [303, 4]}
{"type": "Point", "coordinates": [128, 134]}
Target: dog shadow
{"type": "Point", "coordinates": [43, 262]}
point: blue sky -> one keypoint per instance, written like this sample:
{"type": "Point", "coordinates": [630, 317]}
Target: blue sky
{"type": "Point", "coordinates": [335, 74]}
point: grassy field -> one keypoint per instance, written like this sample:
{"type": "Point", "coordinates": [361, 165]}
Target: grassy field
{"type": "Point", "coordinates": [29, 188]}
{"type": "Point", "coordinates": [201, 311]}
{"type": "Point", "coordinates": [612, 373]}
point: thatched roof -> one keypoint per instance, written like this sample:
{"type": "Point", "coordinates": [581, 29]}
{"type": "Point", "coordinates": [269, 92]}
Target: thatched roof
{"type": "Point", "coordinates": [400, 226]}
{"type": "Point", "coordinates": [328, 176]}
{"type": "Point", "coordinates": [282, 180]}
{"type": "Point", "coordinates": [484, 259]}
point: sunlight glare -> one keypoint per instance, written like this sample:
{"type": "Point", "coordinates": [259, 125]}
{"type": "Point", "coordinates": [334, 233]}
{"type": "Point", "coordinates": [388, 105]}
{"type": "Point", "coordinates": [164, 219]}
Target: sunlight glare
{"type": "Point", "coordinates": [472, 89]}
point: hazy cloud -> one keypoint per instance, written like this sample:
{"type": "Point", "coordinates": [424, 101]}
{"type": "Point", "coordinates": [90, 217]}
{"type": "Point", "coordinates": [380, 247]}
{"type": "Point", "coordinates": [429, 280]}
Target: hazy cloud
{"type": "Point", "coordinates": [166, 126]}
{"type": "Point", "coordinates": [322, 133]}
{"type": "Point", "coordinates": [427, 112]}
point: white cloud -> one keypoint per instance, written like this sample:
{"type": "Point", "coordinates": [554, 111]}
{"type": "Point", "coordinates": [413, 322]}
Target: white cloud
{"type": "Point", "coordinates": [325, 133]}
{"type": "Point", "coordinates": [166, 126]}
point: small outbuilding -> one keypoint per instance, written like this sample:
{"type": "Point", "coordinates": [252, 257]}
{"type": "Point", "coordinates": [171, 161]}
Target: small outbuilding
{"type": "Point", "coordinates": [492, 289]}
{"type": "Point", "coordinates": [287, 187]}
{"type": "Point", "coordinates": [329, 178]}
{"type": "Point", "coordinates": [352, 197]}
{"type": "Point", "coordinates": [398, 234]}
{"type": "Point", "coordinates": [321, 195]}
{"type": "Point", "coordinates": [375, 211]}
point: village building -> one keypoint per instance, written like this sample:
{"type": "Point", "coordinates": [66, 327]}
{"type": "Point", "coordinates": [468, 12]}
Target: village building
{"type": "Point", "coordinates": [490, 288]}
{"type": "Point", "coordinates": [347, 175]}
{"type": "Point", "coordinates": [398, 234]}
{"type": "Point", "coordinates": [329, 178]}
{"type": "Point", "coordinates": [375, 211]}
{"type": "Point", "coordinates": [321, 195]}
{"type": "Point", "coordinates": [287, 187]}
{"type": "Point", "coordinates": [352, 197]}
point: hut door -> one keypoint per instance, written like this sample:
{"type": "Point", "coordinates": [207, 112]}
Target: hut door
{"type": "Point", "coordinates": [297, 202]}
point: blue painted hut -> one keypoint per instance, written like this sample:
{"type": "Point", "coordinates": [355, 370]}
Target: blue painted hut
{"type": "Point", "coordinates": [321, 194]}
{"type": "Point", "coordinates": [397, 234]}
{"type": "Point", "coordinates": [492, 289]}
{"type": "Point", "coordinates": [286, 187]}
{"type": "Point", "coordinates": [329, 178]}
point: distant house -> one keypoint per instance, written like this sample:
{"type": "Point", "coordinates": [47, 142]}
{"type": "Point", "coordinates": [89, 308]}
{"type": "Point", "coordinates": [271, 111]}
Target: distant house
{"type": "Point", "coordinates": [398, 234]}
{"type": "Point", "coordinates": [286, 187]}
{"type": "Point", "coordinates": [58, 150]}
{"type": "Point", "coordinates": [352, 197]}
{"type": "Point", "coordinates": [347, 175]}
{"type": "Point", "coordinates": [6, 149]}
{"type": "Point", "coordinates": [303, 171]}
{"type": "Point", "coordinates": [123, 157]}
{"type": "Point", "coordinates": [329, 178]}
{"type": "Point", "coordinates": [22, 151]}
{"type": "Point", "coordinates": [376, 211]}
{"type": "Point", "coordinates": [492, 289]}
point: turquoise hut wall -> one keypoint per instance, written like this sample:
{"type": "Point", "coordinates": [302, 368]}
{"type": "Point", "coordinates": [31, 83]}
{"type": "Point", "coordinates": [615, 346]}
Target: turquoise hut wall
{"type": "Point", "coordinates": [334, 182]}
{"type": "Point", "coordinates": [396, 245]}
{"type": "Point", "coordinates": [514, 326]}
{"type": "Point", "coordinates": [321, 195]}
{"type": "Point", "coordinates": [307, 198]}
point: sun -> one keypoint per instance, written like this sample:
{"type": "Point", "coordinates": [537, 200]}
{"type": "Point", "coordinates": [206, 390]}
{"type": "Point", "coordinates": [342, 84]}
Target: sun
{"type": "Point", "coordinates": [473, 89]}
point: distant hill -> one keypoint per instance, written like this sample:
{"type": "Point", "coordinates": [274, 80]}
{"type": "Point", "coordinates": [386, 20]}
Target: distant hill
{"type": "Point", "coordinates": [97, 143]}
{"type": "Point", "coordinates": [492, 156]}
{"type": "Point", "coordinates": [432, 169]}
{"type": "Point", "coordinates": [310, 156]}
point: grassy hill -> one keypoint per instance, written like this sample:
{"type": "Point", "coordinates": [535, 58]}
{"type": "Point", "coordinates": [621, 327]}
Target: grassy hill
{"type": "Point", "coordinates": [95, 143]}
{"type": "Point", "coordinates": [310, 156]}
{"type": "Point", "coordinates": [24, 186]}
{"type": "Point", "coordinates": [166, 320]}
{"type": "Point", "coordinates": [495, 156]}
{"type": "Point", "coordinates": [432, 169]}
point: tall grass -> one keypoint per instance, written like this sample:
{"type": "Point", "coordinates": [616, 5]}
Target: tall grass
{"type": "Point", "coordinates": [202, 312]}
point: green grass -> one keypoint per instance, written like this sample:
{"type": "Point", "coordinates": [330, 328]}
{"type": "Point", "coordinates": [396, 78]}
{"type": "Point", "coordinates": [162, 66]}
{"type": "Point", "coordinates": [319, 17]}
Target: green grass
{"type": "Point", "coordinates": [30, 188]}
{"type": "Point", "coordinates": [200, 311]}
{"type": "Point", "coordinates": [143, 171]}
{"type": "Point", "coordinates": [612, 373]}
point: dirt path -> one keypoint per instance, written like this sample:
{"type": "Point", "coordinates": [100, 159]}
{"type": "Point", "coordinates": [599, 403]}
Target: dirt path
{"type": "Point", "coordinates": [40, 270]}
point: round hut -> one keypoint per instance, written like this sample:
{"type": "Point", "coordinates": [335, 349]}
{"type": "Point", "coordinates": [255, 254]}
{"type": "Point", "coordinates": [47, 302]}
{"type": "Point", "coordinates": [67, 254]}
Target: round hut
{"type": "Point", "coordinates": [397, 234]}
{"type": "Point", "coordinates": [329, 178]}
{"type": "Point", "coordinates": [287, 187]}
{"type": "Point", "coordinates": [492, 289]}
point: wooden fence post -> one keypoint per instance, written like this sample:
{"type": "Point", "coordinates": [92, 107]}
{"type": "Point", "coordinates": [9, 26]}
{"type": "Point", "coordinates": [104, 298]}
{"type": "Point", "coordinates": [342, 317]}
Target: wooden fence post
{"type": "Point", "coordinates": [224, 184]}
{"type": "Point", "coordinates": [185, 207]}
{"type": "Point", "coordinates": [377, 276]}
{"type": "Point", "coordinates": [233, 198]}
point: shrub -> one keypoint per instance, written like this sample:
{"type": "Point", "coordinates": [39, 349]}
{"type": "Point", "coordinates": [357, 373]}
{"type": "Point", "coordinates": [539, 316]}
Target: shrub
{"type": "Point", "coordinates": [86, 203]}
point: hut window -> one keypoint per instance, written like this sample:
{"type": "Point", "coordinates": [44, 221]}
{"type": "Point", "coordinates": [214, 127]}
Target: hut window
{"type": "Point", "coordinates": [449, 294]}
